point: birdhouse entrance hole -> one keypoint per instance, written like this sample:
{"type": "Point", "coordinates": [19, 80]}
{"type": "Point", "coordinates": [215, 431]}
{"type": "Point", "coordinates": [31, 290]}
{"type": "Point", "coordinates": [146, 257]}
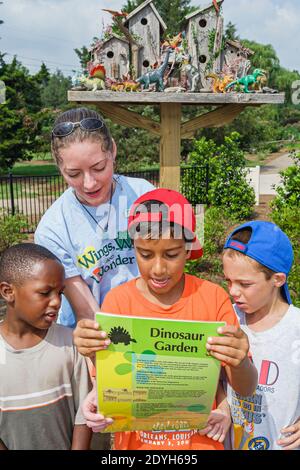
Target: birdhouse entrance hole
{"type": "Point", "coordinates": [146, 63]}
{"type": "Point", "coordinates": [110, 54]}
{"type": "Point", "coordinates": [202, 23]}
{"type": "Point", "coordinates": [202, 59]}
{"type": "Point", "coordinates": [144, 21]}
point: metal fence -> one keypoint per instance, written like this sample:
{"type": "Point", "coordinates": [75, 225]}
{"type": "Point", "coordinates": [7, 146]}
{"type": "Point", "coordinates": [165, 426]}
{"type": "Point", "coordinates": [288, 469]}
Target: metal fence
{"type": "Point", "coordinates": [31, 196]}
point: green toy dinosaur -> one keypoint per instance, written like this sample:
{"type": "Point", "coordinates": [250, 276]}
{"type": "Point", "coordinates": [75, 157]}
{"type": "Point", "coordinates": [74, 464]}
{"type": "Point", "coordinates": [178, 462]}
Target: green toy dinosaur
{"type": "Point", "coordinates": [247, 81]}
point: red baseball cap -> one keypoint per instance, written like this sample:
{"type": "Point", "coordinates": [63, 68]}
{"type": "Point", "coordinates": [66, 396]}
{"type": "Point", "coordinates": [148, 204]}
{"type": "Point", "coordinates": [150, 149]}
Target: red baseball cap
{"type": "Point", "coordinates": [180, 212]}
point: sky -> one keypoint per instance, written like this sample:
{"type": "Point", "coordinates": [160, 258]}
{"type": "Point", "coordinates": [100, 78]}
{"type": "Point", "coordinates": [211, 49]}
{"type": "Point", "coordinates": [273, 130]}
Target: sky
{"type": "Point", "coordinates": [50, 30]}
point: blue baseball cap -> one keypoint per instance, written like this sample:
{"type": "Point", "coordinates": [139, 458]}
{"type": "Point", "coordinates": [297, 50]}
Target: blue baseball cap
{"type": "Point", "coordinates": [268, 245]}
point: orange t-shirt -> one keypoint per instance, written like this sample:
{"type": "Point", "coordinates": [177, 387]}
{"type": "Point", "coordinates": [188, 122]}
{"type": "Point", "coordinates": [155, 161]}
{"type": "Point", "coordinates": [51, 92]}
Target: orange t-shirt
{"type": "Point", "coordinates": [201, 300]}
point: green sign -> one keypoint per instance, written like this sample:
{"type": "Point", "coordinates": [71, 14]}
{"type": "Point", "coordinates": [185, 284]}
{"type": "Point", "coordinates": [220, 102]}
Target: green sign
{"type": "Point", "coordinates": [156, 374]}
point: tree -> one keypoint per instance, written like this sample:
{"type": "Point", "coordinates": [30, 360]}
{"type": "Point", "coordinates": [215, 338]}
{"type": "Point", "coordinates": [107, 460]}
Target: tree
{"type": "Point", "coordinates": [83, 55]}
{"type": "Point", "coordinates": [43, 75]}
{"type": "Point", "coordinates": [228, 187]}
{"type": "Point", "coordinates": [17, 136]}
{"type": "Point", "coordinates": [22, 91]}
{"type": "Point", "coordinates": [265, 58]}
{"type": "Point", "coordinates": [54, 93]}
{"type": "Point", "coordinates": [231, 32]}
{"type": "Point", "coordinates": [18, 127]}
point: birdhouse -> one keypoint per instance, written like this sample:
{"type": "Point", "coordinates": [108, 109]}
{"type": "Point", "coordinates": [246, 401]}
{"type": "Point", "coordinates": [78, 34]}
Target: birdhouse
{"type": "Point", "coordinates": [204, 31]}
{"type": "Point", "coordinates": [114, 55]}
{"type": "Point", "coordinates": [235, 59]}
{"type": "Point", "coordinates": [147, 26]}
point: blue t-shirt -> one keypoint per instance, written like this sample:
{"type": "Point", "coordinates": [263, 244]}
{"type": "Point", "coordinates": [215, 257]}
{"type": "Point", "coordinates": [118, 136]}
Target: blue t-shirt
{"type": "Point", "coordinates": [77, 235]}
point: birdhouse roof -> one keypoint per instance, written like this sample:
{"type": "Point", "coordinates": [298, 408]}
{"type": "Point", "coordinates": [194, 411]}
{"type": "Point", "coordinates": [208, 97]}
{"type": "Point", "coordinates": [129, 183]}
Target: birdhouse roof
{"type": "Point", "coordinates": [202, 9]}
{"type": "Point", "coordinates": [141, 7]}
{"type": "Point", "coordinates": [239, 46]}
{"type": "Point", "coordinates": [100, 46]}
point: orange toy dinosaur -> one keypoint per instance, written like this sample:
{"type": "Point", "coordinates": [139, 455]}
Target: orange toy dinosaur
{"type": "Point", "coordinates": [219, 83]}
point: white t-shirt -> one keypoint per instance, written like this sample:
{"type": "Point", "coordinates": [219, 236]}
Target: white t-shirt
{"type": "Point", "coordinates": [76, 235]}
{"type": "Point", "coordinates": [258, 420]}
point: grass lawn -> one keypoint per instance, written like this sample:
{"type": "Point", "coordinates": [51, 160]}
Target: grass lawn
{"type": "Point", "coordinates": [34, 170]}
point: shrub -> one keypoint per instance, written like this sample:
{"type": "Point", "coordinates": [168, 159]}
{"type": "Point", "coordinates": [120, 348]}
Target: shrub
{"type": "Point", "coordinates": [217, 225]}
{"type": "Point", "coordinates": [286, 214]}
{"type": "Point", "coordinates": [11, 227]}
{"type": "Point", "coordinates": [228, 187]}
{"type": "Point", "coordinates": [288, 192]}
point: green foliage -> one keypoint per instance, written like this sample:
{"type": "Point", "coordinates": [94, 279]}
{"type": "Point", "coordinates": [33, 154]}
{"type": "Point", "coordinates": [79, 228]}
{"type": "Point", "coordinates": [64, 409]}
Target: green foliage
{"type": "Point", "coordinates": [228, 187]}
{"type": "Point", "coordinates": [288, 192]}
{"type": "Point", "coordinates": [137, 148]}
{"type": "Point", "coordinates": [43, 75]}
{"type": "Point", "coordinates": [286, 214]}
{"type": "Point", "coordinates": [22, 90]}
{"type": "Point", "coordinates": [17, 136]}
{"type": "Point", "coordinates": [231, 32]}
{"type": "Point", "coordinates": [55, 92]}
{"type": "Point", "coordinates": [18, 127]}
{"type": "Point", "coordinates": [288, 219]}
{"type": "Point", "coordinates": [217, 225]}
{"type": "Point", "coordinates": [11, 227]}
{"type": "Point", "coordinates": [83, 55]}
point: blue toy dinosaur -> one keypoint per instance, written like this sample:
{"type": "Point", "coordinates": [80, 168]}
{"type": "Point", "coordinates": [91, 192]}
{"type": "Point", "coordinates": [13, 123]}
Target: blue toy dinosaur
{"type": "Point", "coordinates": [155, 76]}
{"type": "Point", "coordinates": [247, 81]}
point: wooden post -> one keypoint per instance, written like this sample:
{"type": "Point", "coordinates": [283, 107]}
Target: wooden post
{"type": "Point", "coordinates": [170, 118]}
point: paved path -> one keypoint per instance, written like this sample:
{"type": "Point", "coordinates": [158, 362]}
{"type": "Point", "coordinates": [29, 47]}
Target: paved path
{"type": "Point", "coordinates": [269, 175]}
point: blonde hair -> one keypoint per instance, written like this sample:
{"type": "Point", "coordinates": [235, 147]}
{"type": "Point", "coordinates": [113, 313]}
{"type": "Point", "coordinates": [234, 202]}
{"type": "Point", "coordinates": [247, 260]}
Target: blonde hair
{"type": "Point", "coordinates": [102, 135]}
{"type": "Point", "coordinates": [244, 236]}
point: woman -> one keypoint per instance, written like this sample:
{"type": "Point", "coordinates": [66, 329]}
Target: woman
{"type": "Point", "coordinates": [86, 228]}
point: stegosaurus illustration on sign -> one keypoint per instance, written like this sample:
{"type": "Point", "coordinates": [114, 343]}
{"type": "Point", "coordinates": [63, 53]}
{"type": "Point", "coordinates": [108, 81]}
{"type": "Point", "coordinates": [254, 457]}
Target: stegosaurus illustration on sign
{"type": "Point", "coordinates": [118, 334]}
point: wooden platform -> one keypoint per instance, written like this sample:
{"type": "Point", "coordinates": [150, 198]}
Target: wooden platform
{"type": "Point", "coordinates": [171, 129]}
{"type": "Point", "coordinates": [199, 99]}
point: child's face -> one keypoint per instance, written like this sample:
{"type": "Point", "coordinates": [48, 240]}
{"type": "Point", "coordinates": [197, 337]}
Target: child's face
{"type": "Point", "coordinates": [88, 170]}
{"type": "Point", "coordinates": [248, 287]}
{"type": "Point", "coordinates": [161, 263]}
{"type": "Point", "coordinates": [37, 300]}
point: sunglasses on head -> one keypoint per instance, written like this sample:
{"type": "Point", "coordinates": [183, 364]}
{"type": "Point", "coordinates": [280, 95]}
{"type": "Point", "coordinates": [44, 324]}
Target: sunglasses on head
{"type": "Point", "coordinates": [87, 124]}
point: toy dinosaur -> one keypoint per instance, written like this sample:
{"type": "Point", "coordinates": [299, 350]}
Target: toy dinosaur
{"type": "Point", "coordinates": [173, 42]}
{"type": "Point", "coordinates": [117, 86]}
{"type": "Point", "coordinates": [219, 83]}
{"type": "Point", "coordinates": [260, 83]}
{"type": "Point", "coordinates": [155, 76]}
{"type": "Point", "coordinates": [192, 73]}
{"type": "Point", "coordinates": [116, 14]}
{"type": "Point", "coordinates": [131, 85]}
{"type": "Point", "coordinates": [126, 85]}
{"type": "Point", "coordinates": [246, 81]}
{"type": "Point", "coordinates": [76, 81]}
{"type": "Point", "coordinates": [92, 84]}
{"type": "Point", "coordinates": [98, 71]}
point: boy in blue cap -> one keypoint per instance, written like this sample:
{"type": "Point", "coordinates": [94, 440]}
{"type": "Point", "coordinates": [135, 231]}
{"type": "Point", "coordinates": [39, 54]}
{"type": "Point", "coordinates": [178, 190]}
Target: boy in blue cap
{"type": "Point", "coordinates": [257, 259]}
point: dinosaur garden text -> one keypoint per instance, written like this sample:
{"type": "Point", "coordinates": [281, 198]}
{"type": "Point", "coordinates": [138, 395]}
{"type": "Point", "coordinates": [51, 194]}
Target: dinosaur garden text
{"type": "Point", "coordinates": [180, 347]}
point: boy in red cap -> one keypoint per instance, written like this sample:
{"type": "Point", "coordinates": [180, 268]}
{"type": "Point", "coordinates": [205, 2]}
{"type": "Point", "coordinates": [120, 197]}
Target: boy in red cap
{"type": "Point", "coordinates": [257, 259]}
{"type": "Point", "coordinates": [162, 224]}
